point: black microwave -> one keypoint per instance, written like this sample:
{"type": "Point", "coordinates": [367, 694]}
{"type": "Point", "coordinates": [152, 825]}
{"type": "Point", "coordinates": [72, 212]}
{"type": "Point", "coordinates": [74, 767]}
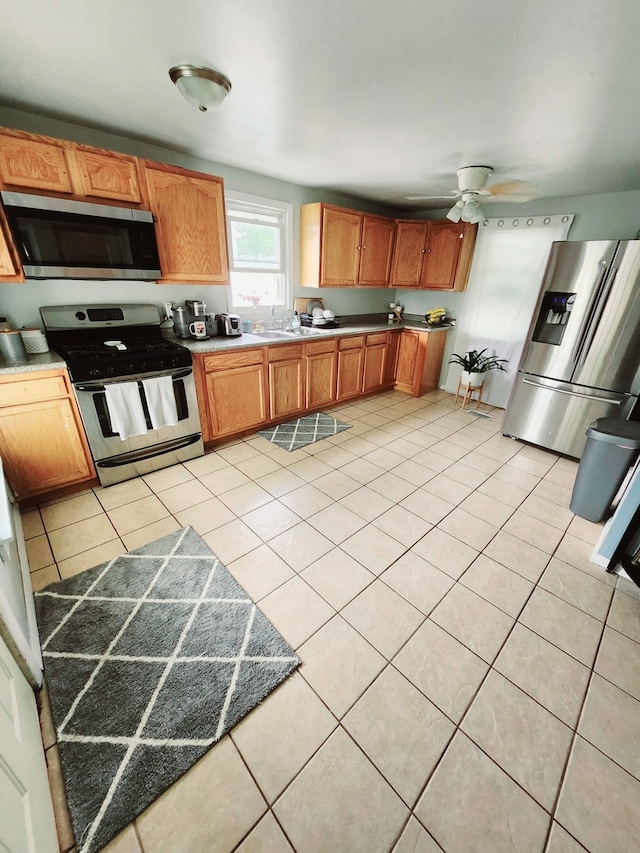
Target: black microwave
{"type": "Point", "coordinates": [60, 238]}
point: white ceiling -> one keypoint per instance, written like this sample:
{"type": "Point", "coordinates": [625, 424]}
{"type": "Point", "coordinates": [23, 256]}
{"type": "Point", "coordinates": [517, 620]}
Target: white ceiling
{"type": "Point", "coordinates": [375, 98]}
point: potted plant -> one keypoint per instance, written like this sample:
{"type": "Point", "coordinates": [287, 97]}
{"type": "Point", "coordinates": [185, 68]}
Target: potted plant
{"type": "Point", "coordinates": [474, 364]}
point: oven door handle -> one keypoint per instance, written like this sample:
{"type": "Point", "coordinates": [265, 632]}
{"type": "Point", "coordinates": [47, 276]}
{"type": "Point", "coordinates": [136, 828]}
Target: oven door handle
{"type": "Point", "coordinates": [100, 386]}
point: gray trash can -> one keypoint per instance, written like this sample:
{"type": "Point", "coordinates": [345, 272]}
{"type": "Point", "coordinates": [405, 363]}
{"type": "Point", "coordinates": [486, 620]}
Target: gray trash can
{"type": "Point", "coordinates": [612, 448]}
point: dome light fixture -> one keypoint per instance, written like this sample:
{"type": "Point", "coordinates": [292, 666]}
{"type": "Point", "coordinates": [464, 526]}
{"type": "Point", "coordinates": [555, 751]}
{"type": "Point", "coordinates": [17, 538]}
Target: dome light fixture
{"type": "Point", "coordinates": [202, 87]}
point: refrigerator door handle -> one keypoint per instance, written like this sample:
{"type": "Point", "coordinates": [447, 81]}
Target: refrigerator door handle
{"type": "Point", "coordinates": [584, 329]}
{"type": "Point", "coordinates": [595, 321]}
{"type": "Point", "coordinates": [573, 393]}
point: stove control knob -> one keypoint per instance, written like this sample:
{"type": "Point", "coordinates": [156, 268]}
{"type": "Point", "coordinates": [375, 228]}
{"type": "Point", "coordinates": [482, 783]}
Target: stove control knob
{"type": "Point", "coordinates": [130, 368]}
{"type": "Point", "coordinates": [111, 370]}
{"type": "Point", "coordinates": [80, 315]}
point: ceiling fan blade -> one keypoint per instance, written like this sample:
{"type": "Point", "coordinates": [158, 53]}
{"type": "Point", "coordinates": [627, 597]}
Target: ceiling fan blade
{"type": "Point", "coordinates": [512, 191]}
{"type": "Point", "coordinates": [453, 194]}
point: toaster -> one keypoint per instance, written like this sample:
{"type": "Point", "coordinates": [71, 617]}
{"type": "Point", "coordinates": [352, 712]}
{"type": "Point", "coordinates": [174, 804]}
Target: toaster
{"type": "Point", "coordinates": [229, 325]}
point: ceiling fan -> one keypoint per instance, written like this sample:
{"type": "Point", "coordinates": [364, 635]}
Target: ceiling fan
{"type": "Point", "coordinates": [472, 188]}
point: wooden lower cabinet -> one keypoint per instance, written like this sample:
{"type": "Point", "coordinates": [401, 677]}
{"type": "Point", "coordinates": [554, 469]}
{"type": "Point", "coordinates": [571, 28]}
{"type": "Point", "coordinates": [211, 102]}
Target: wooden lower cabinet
{"type": "Point", "coordinates": [243, 389]}
{"type": "Point", "coordinates": [375, 361]}
{"type": "Point", "coordinates": [350, 367]}
{"type": "Point", "coordinates": [419, 361]}
{"type": "Point", "coordinates": [42, 442]}
{"type": "Point", "coordinates": [286, 381]}
{"type": "Point", "coordinates": [235, 392]}
{"type": "Point", "coordinates": [392, 357]}
{"type": "Point", "coordinates": [320, 373]}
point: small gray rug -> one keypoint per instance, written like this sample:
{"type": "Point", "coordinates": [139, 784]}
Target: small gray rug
{"type": "Point", "coordinates": [149, 660]}
{"type": "Point", "coordinates": [303, 431]}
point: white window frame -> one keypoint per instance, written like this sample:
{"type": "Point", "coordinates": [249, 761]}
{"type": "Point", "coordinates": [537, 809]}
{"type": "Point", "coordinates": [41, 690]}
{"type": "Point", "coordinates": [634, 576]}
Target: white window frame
{"type": "Point", "coordinates": [285, 211]}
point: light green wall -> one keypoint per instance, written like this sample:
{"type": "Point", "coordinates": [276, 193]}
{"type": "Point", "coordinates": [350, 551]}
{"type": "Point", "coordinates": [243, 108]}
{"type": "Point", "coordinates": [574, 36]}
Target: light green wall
{"type": "Point", "coordinates": [612, 215]}
{"type": "Point", "coordinates": [20, 303]}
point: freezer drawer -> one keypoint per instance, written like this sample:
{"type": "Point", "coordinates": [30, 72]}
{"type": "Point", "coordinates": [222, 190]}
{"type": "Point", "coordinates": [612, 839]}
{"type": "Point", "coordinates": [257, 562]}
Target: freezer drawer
{"type": "Point", "coordinates": [556, 414]}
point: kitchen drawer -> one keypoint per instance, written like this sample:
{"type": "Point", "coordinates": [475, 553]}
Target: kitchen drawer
{"type": "Point", "coordinates": [319, 347]}
{"type": "Point", "coordinates": [231, 360]}
{"type": "Point", "coordinates": [288, 352]}
{"type": "Point", "coordinates": [351, 343]}
{"type": "Point", "coordinates": [22, 391]}
{"type": "Point", "coordinates": [377, 338]}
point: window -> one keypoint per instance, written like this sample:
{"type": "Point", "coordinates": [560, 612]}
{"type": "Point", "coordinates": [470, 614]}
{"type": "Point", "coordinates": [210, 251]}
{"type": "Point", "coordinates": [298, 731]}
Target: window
{"type": "Point", "coordinates": [259, 247]}
{"type": "Point", "coordinates": [504, 282]}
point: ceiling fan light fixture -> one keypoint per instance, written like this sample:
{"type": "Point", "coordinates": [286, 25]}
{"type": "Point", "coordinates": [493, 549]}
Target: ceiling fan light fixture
{"type": "Point", "coordinates": [471, 212]}
{"type": "Point", "coordinates": [456, 211]}
{"type": "Point", "coordinates": [202, 87]}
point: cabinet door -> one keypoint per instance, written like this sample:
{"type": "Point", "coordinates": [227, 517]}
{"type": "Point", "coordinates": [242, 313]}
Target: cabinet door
{"type": "Point", "coordinates": [286, 388]}
{"type": "Point", "coordinates": [321, 379]}
{"type": "Point", "coordinates": [350, 365]}
{"type": "Point", "coordinates": [104, 174]}
{"type": "Point", "coordinates": [10, 267]}
{"type": "Point", "coordinates": [41, 447]}
{"type": "Point", "coordinates": [237, 399]}
{"type": "Point", "coordinates": [375, 255]}
{"type": "Point", "coordinates": [392, 358]}
{"type": "Point", "coordinates": [443, 248]}
{"type": "Point", "coordinates": [34, 164]}
{"type": "Point", "coordinates": [340, 250]}
{"type": "Point", "coordinates": [375, 360]}
{"type": "Point", "coordinates": [190, 226]}
{"type": "Point", "coordinates": [408, 254]}
{"type": "Point", "coordinates": [407, 354]}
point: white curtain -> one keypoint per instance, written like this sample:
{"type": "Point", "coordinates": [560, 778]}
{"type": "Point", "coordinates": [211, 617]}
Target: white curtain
{"type": "Point", "coordinates": [508, 265]}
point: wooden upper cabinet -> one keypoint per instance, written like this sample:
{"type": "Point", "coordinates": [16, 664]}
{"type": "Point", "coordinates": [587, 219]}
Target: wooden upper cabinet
{"type": "Point", "coordinates": [34, 163]}
{"type": "Point", "coordinates": [107, 175]}
{"type": "Point", "coordinates": [190, 225]}
{"type": "Point", "coordinates": [408, 253]}
{"type": "Point", "coordinates": [344, 248]}
{"type": "Point", "coordinates": [446, 265]}
{"type": "Point", "coordinates": [375, 254]}
{"type": "Point", "coordinates": [340, 252]}
{"type": "Point", "coordinates": [10, 266]}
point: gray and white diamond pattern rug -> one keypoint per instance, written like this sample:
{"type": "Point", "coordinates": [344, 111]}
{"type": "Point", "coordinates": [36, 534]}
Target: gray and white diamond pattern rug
{"type": "Point", "coordinates": [303, 431]}
{"type": "Point", "coordinates": [149, 660]}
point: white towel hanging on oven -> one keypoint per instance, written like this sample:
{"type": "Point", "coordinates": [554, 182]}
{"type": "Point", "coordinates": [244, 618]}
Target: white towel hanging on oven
{"type": "Point", "coordinates": [161, 401]}
{"type": "Point", "coordinates": [124, 405]}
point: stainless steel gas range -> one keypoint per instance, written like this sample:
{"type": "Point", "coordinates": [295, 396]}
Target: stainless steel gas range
{"type": "Point", "coordinates": [135, 389]}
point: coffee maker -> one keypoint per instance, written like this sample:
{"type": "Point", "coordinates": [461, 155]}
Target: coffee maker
{"type": "Point", "coordinates": [197, 310]}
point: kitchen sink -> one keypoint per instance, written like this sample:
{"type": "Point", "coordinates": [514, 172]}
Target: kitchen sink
{"type": "Point", "coordinates": [274, 334]}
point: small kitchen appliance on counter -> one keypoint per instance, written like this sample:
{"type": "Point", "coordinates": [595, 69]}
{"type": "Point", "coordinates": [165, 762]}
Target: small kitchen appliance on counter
{"type": "Point", "coordinates": [135, 389]}
{"type": "Point", "coordinates": [229, 325]}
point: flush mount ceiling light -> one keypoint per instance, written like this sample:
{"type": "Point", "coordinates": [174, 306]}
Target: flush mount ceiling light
{"type": "Point", "coordinates": [201, 87]}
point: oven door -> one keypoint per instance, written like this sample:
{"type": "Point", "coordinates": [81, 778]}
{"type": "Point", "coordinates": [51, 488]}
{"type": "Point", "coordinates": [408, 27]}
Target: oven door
{"type": "Point", "coordinates": [117, 459]}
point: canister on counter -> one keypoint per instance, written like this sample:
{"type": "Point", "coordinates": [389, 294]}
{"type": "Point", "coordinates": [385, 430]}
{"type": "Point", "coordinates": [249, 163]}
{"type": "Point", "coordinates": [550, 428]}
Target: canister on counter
{"type": "Point", "coordinates": [11, 347]}
{"type": "Point", "coordinates": [34, 340]}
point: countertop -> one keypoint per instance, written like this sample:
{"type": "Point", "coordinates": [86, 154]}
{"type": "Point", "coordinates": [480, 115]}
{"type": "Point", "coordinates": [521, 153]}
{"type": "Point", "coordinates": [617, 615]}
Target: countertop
{"type": "Point", "coordinates": [220, 344]}
{"type": "Point", "coordinates": [52, 361]}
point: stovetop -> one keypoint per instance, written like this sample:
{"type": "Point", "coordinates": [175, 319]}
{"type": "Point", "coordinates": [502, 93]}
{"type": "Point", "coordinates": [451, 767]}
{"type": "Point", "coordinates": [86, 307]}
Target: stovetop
{"type": "Point", "coordinates": [105, 341]}
{"type": "Point", "coordinates": [97, 360]}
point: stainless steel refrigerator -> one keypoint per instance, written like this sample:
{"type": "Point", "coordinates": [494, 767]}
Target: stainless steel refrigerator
{"type": "Point", "coordinates": [582, 356]}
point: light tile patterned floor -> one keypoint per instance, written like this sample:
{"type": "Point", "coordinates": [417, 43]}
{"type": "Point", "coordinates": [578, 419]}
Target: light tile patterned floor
{"type": "Point", "coordinates": [470, 681]}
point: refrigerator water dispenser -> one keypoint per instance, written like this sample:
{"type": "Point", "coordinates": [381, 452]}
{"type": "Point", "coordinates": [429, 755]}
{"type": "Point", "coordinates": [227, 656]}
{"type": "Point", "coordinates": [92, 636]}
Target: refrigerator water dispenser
{"type": "Point", "coordinates": [553, 317]}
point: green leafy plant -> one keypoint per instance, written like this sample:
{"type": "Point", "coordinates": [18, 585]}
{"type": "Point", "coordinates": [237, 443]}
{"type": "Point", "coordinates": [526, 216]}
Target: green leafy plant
{"type": "Point", "coordinates": [477, 362]}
